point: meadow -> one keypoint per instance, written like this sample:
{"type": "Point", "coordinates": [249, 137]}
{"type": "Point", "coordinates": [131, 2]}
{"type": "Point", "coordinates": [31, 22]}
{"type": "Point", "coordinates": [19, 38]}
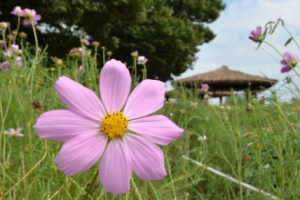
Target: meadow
{"type": "Point", "coordinates": [257, 146]}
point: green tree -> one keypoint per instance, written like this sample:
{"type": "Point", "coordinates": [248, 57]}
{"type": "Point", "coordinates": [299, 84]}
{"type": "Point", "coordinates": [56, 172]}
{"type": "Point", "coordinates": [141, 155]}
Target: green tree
{"type": "Point", "coordinates": [167, 32]}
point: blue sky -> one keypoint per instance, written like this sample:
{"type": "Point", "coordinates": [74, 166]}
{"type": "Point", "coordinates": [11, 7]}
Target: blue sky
{"type": "Point", "coordinates": [232, 47]}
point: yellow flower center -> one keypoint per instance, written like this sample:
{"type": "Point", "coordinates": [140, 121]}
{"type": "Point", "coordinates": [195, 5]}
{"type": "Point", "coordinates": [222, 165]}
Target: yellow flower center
{"type": "Point", "coordinates": [114, 125]}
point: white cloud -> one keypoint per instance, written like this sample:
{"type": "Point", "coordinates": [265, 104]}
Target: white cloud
{"type": "Point", "coordinates": [232, 47]}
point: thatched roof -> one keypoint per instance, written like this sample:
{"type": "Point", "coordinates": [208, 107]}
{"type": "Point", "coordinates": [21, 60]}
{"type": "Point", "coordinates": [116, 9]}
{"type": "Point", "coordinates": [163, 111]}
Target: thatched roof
{"type": "Point", "coordinates": [220, 93]}
{"type": "Point", "coordinates": [224, 79]}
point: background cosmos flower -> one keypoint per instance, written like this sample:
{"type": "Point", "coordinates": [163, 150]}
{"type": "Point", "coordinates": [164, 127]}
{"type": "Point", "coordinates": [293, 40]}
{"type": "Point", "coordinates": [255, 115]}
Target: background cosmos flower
{"type": "Point", "coordinates": [256, 35]}
{"type": "Point", "coordinates": [288, 62]}
{"type": "Point", "coordinates": [13, 132]}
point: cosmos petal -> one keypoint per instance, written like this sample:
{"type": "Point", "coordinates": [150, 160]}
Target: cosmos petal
{"type": "Point", "coordinates": [147, 158]}
{"type": "Point", "coordinates": [79, 99]}
{"type": "Point", "coordinates": [115, 168]}
{"type": "Point", "coordinates": [62, 125]}
{"type": "Point", "coordinates": [285, 69]}
{"type": "Point", "coordinates": [115, 83]}
{"type": "Point", "coordinates": [157, 128]}
{"type": "Point", "coordinates": [145, 99]}
{"type": "Point", "coordinates": [19, 130]}
{"type": "Point", "coordinates": [80, 153]}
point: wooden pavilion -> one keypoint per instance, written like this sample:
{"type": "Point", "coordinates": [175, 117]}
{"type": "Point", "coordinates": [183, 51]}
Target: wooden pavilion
{"type": "Point", "coordinates": [223, 80]}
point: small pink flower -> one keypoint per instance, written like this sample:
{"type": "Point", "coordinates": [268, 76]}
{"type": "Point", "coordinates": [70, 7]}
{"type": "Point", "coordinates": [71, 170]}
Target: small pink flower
{"type": "Point", "coordinates": [80, 70]}
{"type": "Point", "coordinates": [249, 107]}
{"type": "Point", "coordinates": [2, 43]}
{"type": "Point", "coordinates": [13, 132]}
{"type": "Point", "coordinates": [78, 52]}
{"type": "Point", "coordinates": [115, 129]}
{"type": "Point", "coordinates": [30, 16]}
{"type": "Point", "coordinates": [194, 104]}
{"type": "Point", "coordinates": [7, 54]}
{"type": "Point", "coordinates": [134, 54]}
{"type": "Point", "coordinates": [15, 48]}
{"type": "Point", "coordinates": [57, 61]}
{"type": "Point", "coordinates": [5, 64]}
{"type": "Point", "coordinates": [186, 194]}
{"type": "Point", "coordinates": [290, 61]}
{"type": "Point", "coordinates": [142, 60]}
{"type": "Point", "coordinates": [17, 11]}
{"type": "Point", "coordinates": [85, 41]}
{"type": "Point", "coordinates": [256, 35]}
{"type": "Point", "coordinates": [204, 88]}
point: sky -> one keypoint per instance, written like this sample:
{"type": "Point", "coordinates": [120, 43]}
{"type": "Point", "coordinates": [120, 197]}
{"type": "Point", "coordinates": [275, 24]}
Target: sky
{"type": "Point", "coordinates": [232, 47]}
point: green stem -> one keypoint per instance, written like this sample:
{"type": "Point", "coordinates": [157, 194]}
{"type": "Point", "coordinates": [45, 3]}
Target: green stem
{"type": "Point", "coordinates": [145, 73]}
{"type": "Point", "coordinates": [18, 26]}
{"type": "Point", "coordinates": [135, 69]}
{"type": "Point", "coordinates": [103, 55]}
{"type": "Point", "coordinates": [3, 37]}
{"type": "Point", "coordinates": [170, 174]}
{"type": "Point", "coordinates": [91, 186]}
{"type": "Point", "coordinates": [134, 185]}
{"type": "Point", "coordinates": [34, 61]}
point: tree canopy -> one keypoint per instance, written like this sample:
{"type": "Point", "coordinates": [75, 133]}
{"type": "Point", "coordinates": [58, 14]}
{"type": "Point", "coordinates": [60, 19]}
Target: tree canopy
{"type": "Point", "coordinates": [167, 32]}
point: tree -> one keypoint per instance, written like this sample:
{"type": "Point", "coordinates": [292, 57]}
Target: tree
{"type": "Point", "coordinates": [167, 32]}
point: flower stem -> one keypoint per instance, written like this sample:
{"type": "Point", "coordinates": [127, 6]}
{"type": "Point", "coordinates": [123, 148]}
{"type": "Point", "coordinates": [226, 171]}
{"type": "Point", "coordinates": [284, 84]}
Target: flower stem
{"type": "Point", "coordinates": [18, 26]}
{"type": "Point", "coordinates": [138, 194]}
{"type": "Point", "coordinates": [250, 187]}
{"type": "Point", "coordinates": [170, 174]}
{"type": "Point", "coordinates": [34, 61]}
{"type": "Point", "coordinates": [91, 185]}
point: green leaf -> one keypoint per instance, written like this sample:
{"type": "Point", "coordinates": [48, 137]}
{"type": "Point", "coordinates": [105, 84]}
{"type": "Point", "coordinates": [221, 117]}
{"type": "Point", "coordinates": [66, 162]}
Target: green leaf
{"type": "Point", "coordinates": [288, 41]}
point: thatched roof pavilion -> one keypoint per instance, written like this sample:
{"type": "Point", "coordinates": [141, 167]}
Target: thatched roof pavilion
{"type": "Point", "coordinates": [221, 81]}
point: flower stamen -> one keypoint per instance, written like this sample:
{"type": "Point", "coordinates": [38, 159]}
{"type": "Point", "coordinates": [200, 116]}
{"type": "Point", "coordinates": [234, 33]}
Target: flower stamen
{"type": "Point", "coordinates": [114, 125]}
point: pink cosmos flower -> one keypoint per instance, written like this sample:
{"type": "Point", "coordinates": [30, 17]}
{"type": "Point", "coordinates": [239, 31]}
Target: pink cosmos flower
{"type": "Point", "coordinates": [204, 87]}
{"type": "Point", "coordinates": [5, 64]}
{"type": "Point", "coordinates": [17, 11]}
{"type": "Point", "coordinates": [30, 16]}
{"type": "Point", "coordinates": [256, 35]}
{"type": "Point", "coordinates": [115, 128]}
{"type": "Point", "coordinates": [290, 61]}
